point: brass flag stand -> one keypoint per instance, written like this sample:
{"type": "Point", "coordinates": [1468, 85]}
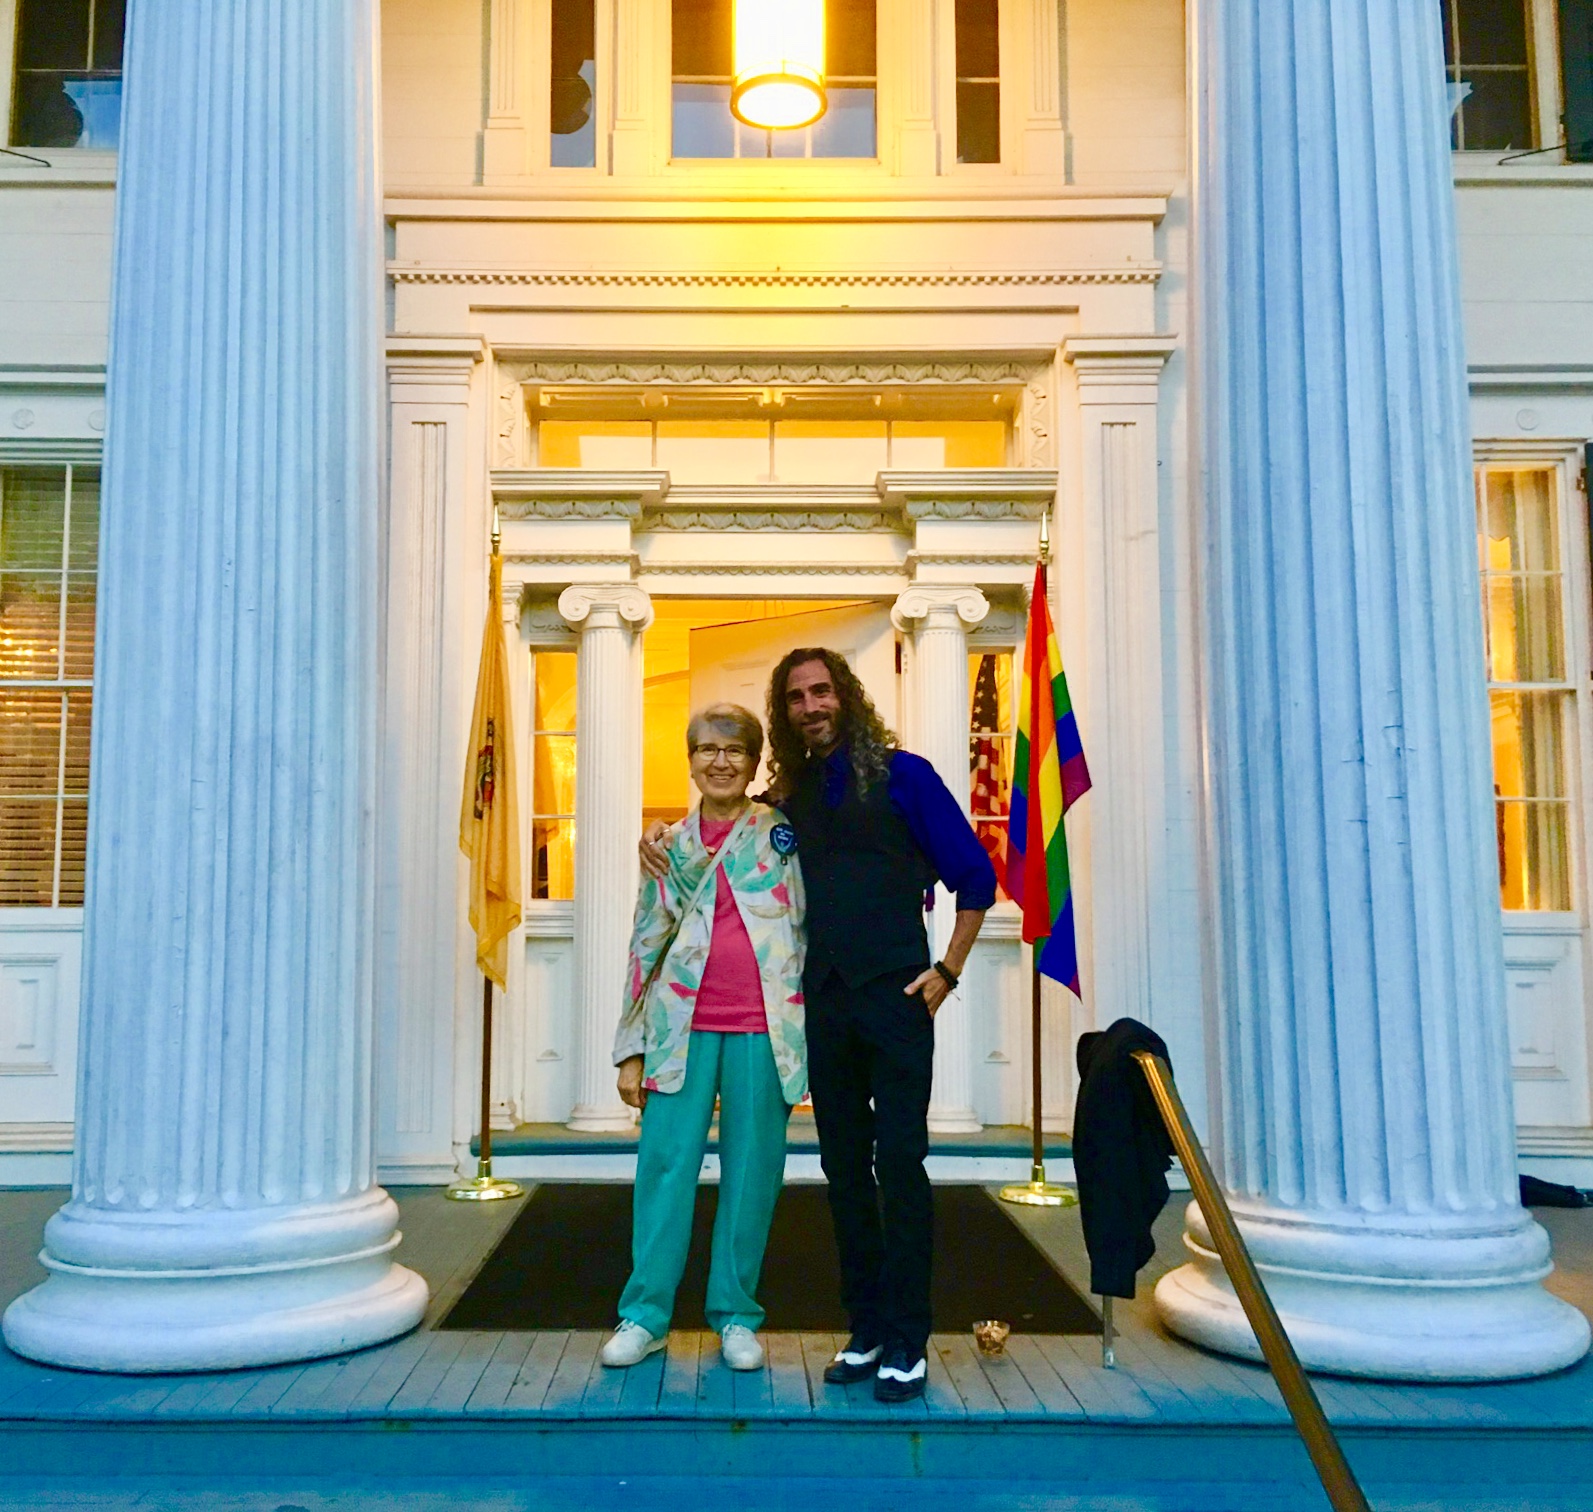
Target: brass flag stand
{"type": "Point", "coordinates": [489, 834]}
{"type": "Point", "coordinates": [1037, 1191]}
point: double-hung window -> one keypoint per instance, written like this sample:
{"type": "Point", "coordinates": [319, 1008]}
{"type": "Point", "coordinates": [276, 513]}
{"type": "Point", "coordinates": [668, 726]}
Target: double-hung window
{"type": "Point", "coordinates": [1530, 689]}
{"type": "Point", "coordinates": [49, 541]}
{"type": "Point", "coordinates": [68, 88]}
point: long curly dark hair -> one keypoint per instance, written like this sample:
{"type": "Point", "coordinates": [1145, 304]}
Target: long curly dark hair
{"type": "Point", "coordinates": [860, 727]}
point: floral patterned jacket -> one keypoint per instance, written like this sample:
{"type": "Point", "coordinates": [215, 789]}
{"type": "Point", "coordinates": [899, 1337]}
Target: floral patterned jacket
{"type": "Point", "coordinates": [766, 881]}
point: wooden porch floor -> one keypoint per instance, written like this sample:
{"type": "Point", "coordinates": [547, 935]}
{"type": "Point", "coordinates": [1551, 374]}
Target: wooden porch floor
{"type": "Point", "coordinates": [1048, 1394]}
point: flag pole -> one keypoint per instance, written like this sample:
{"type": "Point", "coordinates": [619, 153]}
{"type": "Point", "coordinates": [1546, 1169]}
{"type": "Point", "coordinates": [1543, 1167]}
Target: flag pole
{"type": "Point", "coordinates": [1037, 1191]}
{"type": "Point", "coordinates": [484, 1186]}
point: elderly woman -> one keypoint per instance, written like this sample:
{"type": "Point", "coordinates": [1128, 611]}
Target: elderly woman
{"type": "Point", "coordinates": [714, 1010]}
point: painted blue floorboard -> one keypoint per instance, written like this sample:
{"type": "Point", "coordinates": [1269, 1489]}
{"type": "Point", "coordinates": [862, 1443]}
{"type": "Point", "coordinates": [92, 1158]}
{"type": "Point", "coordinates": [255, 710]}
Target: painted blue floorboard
{"type": "Point", "coordinates": [530, 1387]}
{"type": "Point", "coordinates": [492, 1390]}
{"type": "Point", "coordinates": [1049, 1389]}
{"type": "Point", "coordinates": [568, 1386]}
{"type": "Point", "coordinates": [460, 1379]}
{"type": "Point", "coordinates": [678, 1393]}
{"type": "Point", "coordinates": [788, 1379]}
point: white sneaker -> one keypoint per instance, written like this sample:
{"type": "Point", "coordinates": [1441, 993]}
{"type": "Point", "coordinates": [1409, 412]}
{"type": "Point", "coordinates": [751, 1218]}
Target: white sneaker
{"type": "Point", "coordinates": [740, 1349]}
{"type": "Point", "coordinates": [630, 1345]}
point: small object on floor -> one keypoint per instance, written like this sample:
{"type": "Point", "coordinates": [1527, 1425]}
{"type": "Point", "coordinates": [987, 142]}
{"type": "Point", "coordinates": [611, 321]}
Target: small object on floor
{"type": "Point", "coordinates": [857, 1362]}
{"type": "Point", "coordinates": [740, 1349]}
{"type": "Point", "coordinates": [630, 1345]}
{"type": "Point", "coordinates": [1538, 1193]}
{"type": "Point", "coordinates": [991, 1337]}
{"type": "Point", "coordinates": [901, 1376]}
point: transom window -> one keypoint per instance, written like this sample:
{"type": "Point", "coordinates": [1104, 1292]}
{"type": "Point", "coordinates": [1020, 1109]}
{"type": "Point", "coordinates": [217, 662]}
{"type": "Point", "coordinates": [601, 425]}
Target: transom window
{"type": "Point", "coordinates": [701, 122]}
{"type": "Point", "coordinates": [757, 436]}
{"type": "Point", "coordinates": [69, 73]}
{"type": "Point", "coordinates": [49, 544]}
{"type": "Point", "coordinates": [1530, 691]}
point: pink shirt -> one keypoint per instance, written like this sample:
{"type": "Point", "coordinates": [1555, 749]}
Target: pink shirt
{"type": "Point", "coordinates": [730, 999]}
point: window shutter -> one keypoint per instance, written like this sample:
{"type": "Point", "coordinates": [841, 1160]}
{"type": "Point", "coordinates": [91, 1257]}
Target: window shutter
{"type": "Point", "coordinates": [1576, 63]}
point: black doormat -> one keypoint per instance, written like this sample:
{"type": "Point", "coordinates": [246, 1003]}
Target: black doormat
{"type": "Point", "coordinates": [566, 1258]}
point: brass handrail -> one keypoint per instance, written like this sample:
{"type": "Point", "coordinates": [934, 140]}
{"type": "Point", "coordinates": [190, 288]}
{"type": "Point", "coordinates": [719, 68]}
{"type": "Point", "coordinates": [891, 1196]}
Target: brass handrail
{"type": "Point", "coordinates": [1332, 1469]}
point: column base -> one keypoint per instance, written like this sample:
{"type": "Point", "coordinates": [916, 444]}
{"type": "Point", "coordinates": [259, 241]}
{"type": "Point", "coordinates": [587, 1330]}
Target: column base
{"type": "Point", "coordinates": [588, 1119]}
{"type": "Point", "coordinates": [954, 1121]}
{"type": "Point", "coordinates": [1460, 1304]}
{"type": "Point", "coordinates": [237, 1298]}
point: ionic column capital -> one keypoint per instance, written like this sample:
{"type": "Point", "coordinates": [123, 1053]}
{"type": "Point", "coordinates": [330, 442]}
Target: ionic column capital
{"type": "Point", "coordinates": [606, 606]}
{"type": "Point", "coordinates": [926, 606]}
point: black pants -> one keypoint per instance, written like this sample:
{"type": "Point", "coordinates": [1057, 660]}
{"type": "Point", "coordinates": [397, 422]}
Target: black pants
{"type": "Point", "coordinates": [871, 1052]}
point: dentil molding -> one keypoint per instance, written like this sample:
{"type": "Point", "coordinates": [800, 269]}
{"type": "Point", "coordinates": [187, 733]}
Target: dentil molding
{"type": "Point", "coordinates": [1132, 273]}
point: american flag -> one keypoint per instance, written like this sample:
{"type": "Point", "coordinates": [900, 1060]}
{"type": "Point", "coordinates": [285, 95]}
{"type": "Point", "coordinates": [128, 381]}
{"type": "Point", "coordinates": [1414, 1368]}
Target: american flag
{"type": "Point", "coordinates": [988, 797]}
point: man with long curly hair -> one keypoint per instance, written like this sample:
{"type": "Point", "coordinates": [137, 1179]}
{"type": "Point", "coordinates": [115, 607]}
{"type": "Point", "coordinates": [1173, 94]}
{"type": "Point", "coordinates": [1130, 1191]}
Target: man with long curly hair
{"type": "Point", "coordinates": [876, 829]}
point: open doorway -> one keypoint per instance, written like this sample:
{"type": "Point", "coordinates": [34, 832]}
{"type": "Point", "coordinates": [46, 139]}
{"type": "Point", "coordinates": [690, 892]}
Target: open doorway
{"type": "Point", "coordinates": [703, 651]}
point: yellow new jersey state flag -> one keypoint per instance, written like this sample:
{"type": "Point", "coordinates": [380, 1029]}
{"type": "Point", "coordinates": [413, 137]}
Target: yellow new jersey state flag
{"type": "Point", "coordinates": [489, 819]}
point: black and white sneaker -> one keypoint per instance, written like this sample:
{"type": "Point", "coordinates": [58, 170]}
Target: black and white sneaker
{"type": "Point", "coordinates": [854, 1363]}
{"type": "Point", "coordinates": [901, 1374]}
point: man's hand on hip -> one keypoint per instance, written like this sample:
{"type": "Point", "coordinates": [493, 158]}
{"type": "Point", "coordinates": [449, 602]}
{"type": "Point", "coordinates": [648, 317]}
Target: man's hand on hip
{"type": "Point", "coordinates": [932, 987]}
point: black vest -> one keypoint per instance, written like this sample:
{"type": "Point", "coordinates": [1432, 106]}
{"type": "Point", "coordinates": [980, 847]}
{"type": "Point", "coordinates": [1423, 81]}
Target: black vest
{"type": "Point", "coordinates": [865, 879]}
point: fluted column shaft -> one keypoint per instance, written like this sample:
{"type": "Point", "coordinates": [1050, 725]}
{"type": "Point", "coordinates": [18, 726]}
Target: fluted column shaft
{"type": "Point", "coordinates": [1364, 1125]}
{"type": "Point", "coordinates": [608, 807]}
{"type": "Point", "coordinates": [938, 620]}
{"type": "Point", "coordinates": [224, 1210]}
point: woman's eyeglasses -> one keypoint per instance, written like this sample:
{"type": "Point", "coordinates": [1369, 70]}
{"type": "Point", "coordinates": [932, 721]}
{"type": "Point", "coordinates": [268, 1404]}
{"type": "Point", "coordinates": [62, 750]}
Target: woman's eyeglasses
{"type": "Point", "coordinates": [709, 754]}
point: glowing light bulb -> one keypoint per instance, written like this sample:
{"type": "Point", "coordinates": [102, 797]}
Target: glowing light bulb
{"type": "Point", "coordinates": [779, 63]}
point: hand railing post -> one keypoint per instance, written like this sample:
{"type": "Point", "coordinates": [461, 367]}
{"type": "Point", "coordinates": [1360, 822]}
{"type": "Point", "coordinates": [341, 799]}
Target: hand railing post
{"type": "Point", "coordinates": [1338, 1480]}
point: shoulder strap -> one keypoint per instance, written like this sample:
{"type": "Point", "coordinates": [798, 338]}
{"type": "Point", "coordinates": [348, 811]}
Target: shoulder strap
{"type": "Point", "coordinates": [736, 831]}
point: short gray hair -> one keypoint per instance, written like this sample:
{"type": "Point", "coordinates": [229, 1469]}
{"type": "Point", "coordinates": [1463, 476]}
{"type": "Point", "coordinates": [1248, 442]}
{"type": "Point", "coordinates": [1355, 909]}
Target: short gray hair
{"type": "Point", "coordinates": [729, 720]}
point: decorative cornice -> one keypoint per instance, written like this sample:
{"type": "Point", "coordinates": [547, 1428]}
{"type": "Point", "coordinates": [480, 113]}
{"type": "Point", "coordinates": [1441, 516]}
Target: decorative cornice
{"type": "Point", "coordinates": [770, 519]}
{"type": "Point", "coordinates": [825, 374]}
{"type": "Point", "coordinates": [772, 506]}
{"type": "Point", "coordinates": [605, 605]}
{"type": "Point", "coordinates": [1133, 273]}
{"type": "Point", "coordinates": [924, 602]}
{"type": "Point", "coordinates": [982, 493]}
{"type": "Point", "coordinates": [572, 493]}
{"type": "Point", "coordinates": [1109, 359]}
{"type": "Point", "coordinates": [773, 569]}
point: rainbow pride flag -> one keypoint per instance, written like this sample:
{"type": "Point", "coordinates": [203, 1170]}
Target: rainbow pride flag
{"type": "Point", "coordinates": [1049, 775]}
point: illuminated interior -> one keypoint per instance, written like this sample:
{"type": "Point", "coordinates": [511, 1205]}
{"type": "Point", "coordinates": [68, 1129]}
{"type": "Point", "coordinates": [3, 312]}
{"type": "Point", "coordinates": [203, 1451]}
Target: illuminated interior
{"type": "Point", "coordinates": [1528, 693]}
{"type": "Point", "coordinates": [757, 436]}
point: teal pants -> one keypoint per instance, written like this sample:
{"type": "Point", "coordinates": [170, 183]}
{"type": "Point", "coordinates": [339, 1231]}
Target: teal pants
{"type": "Point", "coordinates": [739, 1069]}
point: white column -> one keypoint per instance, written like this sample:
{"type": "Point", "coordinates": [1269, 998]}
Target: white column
{"type": "Point", "coordinates": [224, 1210]}
{"type": "Point", "coordinates": [428, 991]}
{"type": "Point", "coordinates": [1364, 1128]}
{"type": "Point", "coordinates": [913, 41]}
{"type": "Point", "coordinates": [1138, 941]}
{"type": "Point", "coordinates": [608, 808]}
{"type": "Point", "coordinates": [937, 618]}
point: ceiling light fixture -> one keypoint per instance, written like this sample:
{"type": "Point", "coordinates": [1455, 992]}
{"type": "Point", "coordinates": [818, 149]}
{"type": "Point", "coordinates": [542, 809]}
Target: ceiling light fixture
{"type": "Point", "coordinates": [779, 63]}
